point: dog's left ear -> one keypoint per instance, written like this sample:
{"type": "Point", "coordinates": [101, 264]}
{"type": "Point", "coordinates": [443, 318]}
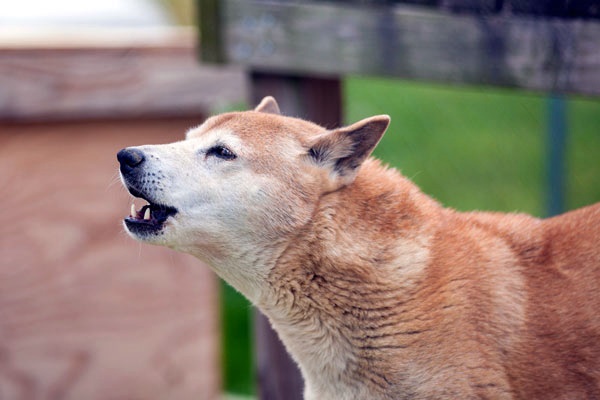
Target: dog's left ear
{"type": "Point", "coordinates": [268, 105]}
{"type": "Point", "coordinates": [343, 150]}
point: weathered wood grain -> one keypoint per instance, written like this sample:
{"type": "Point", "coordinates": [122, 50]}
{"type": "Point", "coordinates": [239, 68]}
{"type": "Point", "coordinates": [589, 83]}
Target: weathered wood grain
{"type": "Point", "coordinates": [57, 79]}
{"type": "Point", "coordinates": [332, 38]}
{"type": "Point", "coordinates": [85, 311]}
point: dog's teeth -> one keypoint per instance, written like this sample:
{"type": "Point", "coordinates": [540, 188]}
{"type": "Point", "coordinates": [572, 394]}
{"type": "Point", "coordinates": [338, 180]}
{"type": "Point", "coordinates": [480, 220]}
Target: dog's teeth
{"type": "Point", "coordinates": [147, 214]}
{"type": "Point", "coordinates": [133, 213]}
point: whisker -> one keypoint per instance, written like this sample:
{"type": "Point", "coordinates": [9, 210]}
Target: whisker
{"type": "Point", "coordinates": [116, 178]}
{"type": "Point", "coordinates": [139, 252]}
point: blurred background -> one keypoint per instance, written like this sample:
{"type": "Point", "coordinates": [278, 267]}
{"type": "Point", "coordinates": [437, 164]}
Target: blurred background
{"type": "Point", "coordinates": [86, 312]}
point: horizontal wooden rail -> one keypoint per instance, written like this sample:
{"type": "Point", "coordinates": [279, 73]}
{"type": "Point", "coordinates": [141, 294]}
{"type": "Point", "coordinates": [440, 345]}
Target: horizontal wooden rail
{"type": "Point", "coordinates": [399, 40]}
{"type": "Point", "coordinates": [108, 74]}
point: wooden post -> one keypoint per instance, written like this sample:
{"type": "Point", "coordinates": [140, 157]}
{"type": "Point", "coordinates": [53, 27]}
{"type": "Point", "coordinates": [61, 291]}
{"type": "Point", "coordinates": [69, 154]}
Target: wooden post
{"type": "Point", "coordinates": [318, 100]}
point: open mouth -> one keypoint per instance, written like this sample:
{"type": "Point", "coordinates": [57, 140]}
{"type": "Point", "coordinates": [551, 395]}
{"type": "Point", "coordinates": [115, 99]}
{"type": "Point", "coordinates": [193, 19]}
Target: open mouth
{"type": "Point", "coordinates": [149, 219]}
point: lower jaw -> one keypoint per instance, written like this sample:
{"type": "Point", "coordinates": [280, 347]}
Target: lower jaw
{"type": "Point", "coordinates": [142, 229]}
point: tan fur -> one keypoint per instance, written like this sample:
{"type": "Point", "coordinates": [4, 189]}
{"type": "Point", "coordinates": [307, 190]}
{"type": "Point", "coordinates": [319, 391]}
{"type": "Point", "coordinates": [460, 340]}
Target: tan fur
{"type": "Point", "coordinates": [377, 291]}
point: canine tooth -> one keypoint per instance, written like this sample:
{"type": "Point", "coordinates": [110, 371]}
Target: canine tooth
{"type": "Point", "coordinates": [133, 213]}
{"type": "Point", "coordinates": [147, 214]}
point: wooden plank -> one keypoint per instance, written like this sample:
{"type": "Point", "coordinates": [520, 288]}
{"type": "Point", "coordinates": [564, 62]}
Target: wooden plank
{"type": "Point", "coordinates": [85, 311]}
{"type": "Point", "coordinates": [552, 8]}
{"type": "Point", "coordinates": [122, 80]}
{"type": "Point", "coordinates": [559, 55]}
{"type": "Point", "coordinates": [319, 100]}
{"type": "Point", "coordinates": [583, 9]}
{"type": "Point", "coordinates": [481, 7]}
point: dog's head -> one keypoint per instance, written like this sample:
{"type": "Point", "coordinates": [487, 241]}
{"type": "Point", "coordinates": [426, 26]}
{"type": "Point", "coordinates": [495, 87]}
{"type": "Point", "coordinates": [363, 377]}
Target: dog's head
{"type": "Point", "coordinates": [242, 183]}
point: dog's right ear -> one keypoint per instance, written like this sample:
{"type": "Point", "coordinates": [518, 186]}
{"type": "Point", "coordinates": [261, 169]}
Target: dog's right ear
{"type": "Point", "coordinates": [343, 150]}
{"type": "Point", "coordinates": [268, 105]}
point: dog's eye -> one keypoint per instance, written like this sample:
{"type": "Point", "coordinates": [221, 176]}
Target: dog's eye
{"type": "Point", "coordinates": [221, 152]}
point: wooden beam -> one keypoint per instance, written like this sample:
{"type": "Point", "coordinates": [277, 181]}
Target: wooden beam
{"type": "Point", "coordinates": [332, 38]}
{"type": "Point", "coordinates": [154, 75]}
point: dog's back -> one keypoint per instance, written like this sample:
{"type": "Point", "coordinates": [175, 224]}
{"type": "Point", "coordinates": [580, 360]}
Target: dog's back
{"type": "Point", "coordinates": [560, 350]}
{"type": "Point", "coordinates": [538, 304]}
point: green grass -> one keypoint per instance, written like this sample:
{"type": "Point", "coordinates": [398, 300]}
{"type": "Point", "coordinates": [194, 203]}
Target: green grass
{"type": "Point", "coordinates": [469, 148]}
{"type": "Point", "coordinates": [583, 153]}
{"type": "Point", "coordinates": [237, 356]}
{"type": "Point", "coordinates": [479, 149]}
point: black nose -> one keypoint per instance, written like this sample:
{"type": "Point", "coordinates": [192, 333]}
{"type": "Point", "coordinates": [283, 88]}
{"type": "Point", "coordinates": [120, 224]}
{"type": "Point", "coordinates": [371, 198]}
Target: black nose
{"type": "Point", "coordinates": [129, 159]}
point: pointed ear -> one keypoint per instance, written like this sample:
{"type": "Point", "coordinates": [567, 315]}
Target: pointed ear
{"type": "Point", "coordinates": [344, 150]}
{"type": "Point", "coordinates": [268, 105]}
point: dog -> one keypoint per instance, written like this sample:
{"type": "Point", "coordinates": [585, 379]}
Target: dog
{"type": "Point", "coordinates": [376, 290]}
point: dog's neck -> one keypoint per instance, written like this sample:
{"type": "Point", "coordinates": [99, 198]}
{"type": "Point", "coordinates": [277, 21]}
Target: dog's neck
{"type": "Point", "coordinates": [245, 267]}
{"type": "Point", "coordinates": [350, 257]}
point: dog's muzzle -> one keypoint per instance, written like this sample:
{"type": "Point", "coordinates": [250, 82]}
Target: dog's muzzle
{"type": "Point", "coordinates": [150, 219]}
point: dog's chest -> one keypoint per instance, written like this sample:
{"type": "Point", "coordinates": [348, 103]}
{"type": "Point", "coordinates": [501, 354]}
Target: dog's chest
{"type": "Point", "coordinates": [339, 392]}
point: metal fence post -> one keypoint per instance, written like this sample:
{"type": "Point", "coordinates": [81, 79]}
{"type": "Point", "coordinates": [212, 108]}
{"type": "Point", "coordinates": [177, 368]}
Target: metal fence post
{"type": "Point", "coordinates": [556, 150]}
